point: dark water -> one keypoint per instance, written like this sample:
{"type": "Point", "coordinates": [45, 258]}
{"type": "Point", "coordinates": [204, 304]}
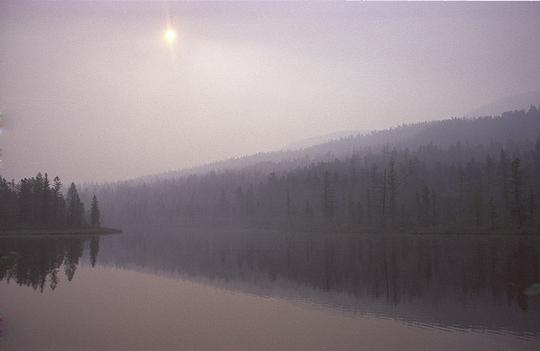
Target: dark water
{"type": "Point", "coordinates": [204, 290]}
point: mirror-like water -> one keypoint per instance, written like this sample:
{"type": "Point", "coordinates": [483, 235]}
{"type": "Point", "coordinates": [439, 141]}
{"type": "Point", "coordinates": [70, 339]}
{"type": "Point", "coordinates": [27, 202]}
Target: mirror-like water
{"type": "Point", "coordinates": [265, 290]}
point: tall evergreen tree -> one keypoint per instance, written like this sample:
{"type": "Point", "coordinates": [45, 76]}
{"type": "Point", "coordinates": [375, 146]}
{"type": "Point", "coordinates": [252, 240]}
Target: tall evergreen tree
{"type": "Point", "coordinates": [328, 198]}
{"type": "Point", "coordinates": [94, 213]}
{"type": "Point", "coordinates": [517, 193]}
{"type": "Point", "coordinates": [392, 191]}
{"type": "Point", "coordinates": [504, 188]}
{"type": "Point", "coordinates": [45, 202]}
{"type": "Point", "coordinates": [74, 207]}
{"type": "Point", "coordinates": [57, 203]}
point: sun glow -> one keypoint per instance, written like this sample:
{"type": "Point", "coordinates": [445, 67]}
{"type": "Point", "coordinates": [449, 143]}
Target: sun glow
{"type": "Point", "coordinates": [169, 36]}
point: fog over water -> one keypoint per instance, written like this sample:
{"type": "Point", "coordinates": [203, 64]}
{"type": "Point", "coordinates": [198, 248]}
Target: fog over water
{"type": "Point", "coordinates": [90, 91]}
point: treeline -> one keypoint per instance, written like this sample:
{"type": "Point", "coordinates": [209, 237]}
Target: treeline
{"type": "Point", "coordinates": [392, 190]}
{"type": "Point", "coordinates": [510, 125]}
{"type": "Point", "coordinates": [456, 175]}
{"type": "Point", "coordinates": [486, 188]}
{"type": "Point", "coordinates": [38, 203]}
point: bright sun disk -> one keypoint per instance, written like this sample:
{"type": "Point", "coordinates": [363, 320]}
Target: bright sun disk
{"type": "Point", "coordinates": [169, 35]}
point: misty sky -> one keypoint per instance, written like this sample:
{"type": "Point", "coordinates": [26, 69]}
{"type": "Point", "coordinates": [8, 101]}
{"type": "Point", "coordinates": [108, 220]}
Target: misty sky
{"type": "Point", "coordinates": [91, 92]}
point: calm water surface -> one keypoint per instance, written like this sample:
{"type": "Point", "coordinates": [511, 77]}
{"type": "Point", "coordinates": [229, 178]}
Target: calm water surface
{"type": "Point", "coordinates": [195, 290]}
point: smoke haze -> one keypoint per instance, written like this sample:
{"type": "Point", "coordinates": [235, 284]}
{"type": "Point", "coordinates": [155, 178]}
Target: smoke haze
{"type": "Point", "coordinates": [90, 92]}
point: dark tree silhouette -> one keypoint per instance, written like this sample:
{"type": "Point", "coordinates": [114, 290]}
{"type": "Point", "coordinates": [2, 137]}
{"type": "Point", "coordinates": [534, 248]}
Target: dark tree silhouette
{"type": "Point", "coordinates": [94, 213]}
{"type": "Point", "coordinates": [328, 198]}
{"type": "Point", "coordinates": [457, 175]}
{"type": "Point", "coordinates": [75, 207]}
{"type": "Point", "coordinates": [34, 203]}
{"type": "Point", "coordinates": [517, 193]}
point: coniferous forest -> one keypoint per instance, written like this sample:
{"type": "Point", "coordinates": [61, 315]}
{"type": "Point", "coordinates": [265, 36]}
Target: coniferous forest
{"type": "Point", "coordinates": [459, 186]}
{"type": "Point", "coordinates": [38, 203]}
{"type": "Point", "coordinates": [490, 186]}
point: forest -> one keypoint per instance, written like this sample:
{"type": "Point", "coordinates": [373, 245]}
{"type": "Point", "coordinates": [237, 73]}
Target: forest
{"type": "Point", "coordinates": [482, 130]}
{"type": "Point", "coordinates": [38, 203]}
{"type": "Point", "coordinates": [452, 176]}
{"type": "Point", "coordinates": [451, 185]}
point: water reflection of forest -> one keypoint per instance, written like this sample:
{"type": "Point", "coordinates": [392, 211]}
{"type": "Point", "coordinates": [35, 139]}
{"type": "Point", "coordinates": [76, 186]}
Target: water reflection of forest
{"type": "Point", "coordinates": [393, 268]}
{"type": "Point", "coordinates": [472, 280]}
{"type": "Point", "coordinates": [469, 281]}
{"type": "Point", "coordinates": [38, 262]}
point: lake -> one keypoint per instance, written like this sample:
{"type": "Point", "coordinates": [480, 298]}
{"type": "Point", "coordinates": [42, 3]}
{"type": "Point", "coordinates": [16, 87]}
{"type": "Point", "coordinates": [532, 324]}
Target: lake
{"type": "Point", "coordinates": [174, 289]}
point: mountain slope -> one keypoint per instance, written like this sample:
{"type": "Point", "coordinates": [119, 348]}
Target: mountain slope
{"type": "Point", "coordinates": [457, 175]}
{"type": "Point", "coordinates": [508, 103]}
{"type": "Point", "coordinates": [321, 139]}
{"type": "Point", "coordinates": [518, 125]}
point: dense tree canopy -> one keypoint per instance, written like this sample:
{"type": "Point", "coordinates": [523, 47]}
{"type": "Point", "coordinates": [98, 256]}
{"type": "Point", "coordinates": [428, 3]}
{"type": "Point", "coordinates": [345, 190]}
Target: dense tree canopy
{"type": "Point", "coordinates": [392, 190]}
{"type": "Point", "coordinates": [488, 186]}
{"type": "Point", "coordinates": [36, 203]}
{"type": "Point", "coordinates": [473, 175]}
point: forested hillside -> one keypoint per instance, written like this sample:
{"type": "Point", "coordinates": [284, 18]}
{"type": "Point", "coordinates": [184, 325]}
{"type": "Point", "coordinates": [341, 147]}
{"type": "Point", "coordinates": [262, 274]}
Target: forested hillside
{"type": "Point", "coordinates": [511, 125]}
{"type": "Point", "coordinates": [478, 175]}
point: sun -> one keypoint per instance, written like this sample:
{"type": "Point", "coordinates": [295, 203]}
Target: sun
{"type": "Point", "coordinates": [169, 35]}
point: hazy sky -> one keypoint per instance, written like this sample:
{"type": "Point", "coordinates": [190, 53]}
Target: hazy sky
{"type": "Point", "coordinates": [90, 91]}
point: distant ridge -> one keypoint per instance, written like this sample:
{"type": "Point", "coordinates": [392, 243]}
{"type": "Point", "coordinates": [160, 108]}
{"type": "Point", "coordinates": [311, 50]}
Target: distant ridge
{"type": "Point", "coordinates": [320, 139]}
{"type": "Point", "coordinates": [508, 103]}
{"type": "Point", "coordinates": [501, 128]}
{"type": "Point", "coordinates": [447, 172]}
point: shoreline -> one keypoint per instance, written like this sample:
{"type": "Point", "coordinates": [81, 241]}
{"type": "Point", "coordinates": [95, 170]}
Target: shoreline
{"type": "Point", "coordinates": [342, 233]}
{"type": "Point", "coordinates": [58, 232]}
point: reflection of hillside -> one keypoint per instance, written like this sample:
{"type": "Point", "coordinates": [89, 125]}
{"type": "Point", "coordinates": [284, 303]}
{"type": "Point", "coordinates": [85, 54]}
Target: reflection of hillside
{"type": "Point", "coordinates": [460, 282]}
{"type": "Point", "coordinates": [36, 262]}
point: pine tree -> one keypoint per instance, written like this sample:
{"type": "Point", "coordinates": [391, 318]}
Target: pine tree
{"type": "Point", "coordinates": [383, 200]}
{"type": "Point", "coordinates": [392, 191]}
{"type": "Point", "coordinates": [328, 198]}
{"type": "Point", "coordinates": [94, 213]}
{"type": "Point", "coordinates": [504, 187]}
{"type": "Point", "coordinates": [289, 208]}
{"type": "Point", "coordinates": [57, 198]}
{"type": "Point", "coordinates": [74, 208]}
{"type": "Point", "coordinates": [517, 193]}
{"type": "Point", "coordinates": [45, 202]}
